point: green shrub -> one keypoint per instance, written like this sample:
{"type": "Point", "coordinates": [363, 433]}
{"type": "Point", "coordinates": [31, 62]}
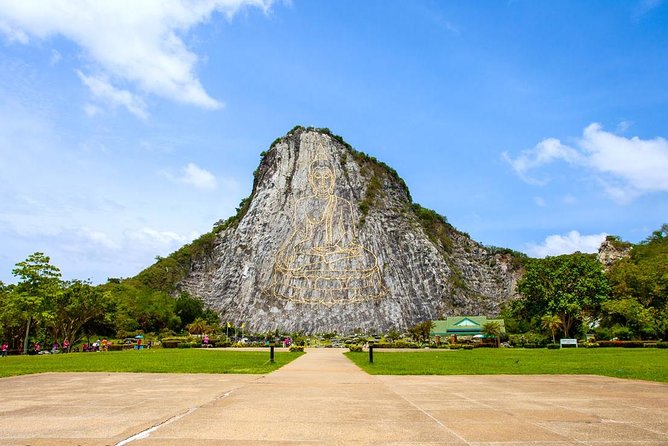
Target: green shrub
{"type": "Point", "coordinates": [590, 344]}
{"type": "Point", "coordinates": [467, 347]}
{"type": "Point", "coordinates": [174, 341]}
{"type": "Point", "coordinates": [184, 345]}
{"type": "Point", "coordinates": [404, 344]}
{"type": "Point", "coordinates": [354, 347]}
{"type": "Point", "coordinates": [662, 345]}
{"type": "Point", "coordinates": [627, 344]}
{"type": "Point", "coordinates": [623, 333]}
{"type": "Point", "coordinates": [297, 348]}
{"type": "Point", "coordinates": [528, 340]}
{"type": "Point", "coordinates": [397, 344]}
{"type": "Point", "coordinates": [553, 346]}
{"type": "Point", "coordinates": [114, 348]}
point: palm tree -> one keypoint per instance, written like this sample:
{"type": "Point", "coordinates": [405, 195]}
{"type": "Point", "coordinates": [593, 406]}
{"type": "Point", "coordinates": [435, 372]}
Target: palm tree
{"type": "Point", "coordinates": [552, 323]}
{"type": "Point", "coordinates": [493, 328]}
{"type": "Point", "coordinates": [198, 326]}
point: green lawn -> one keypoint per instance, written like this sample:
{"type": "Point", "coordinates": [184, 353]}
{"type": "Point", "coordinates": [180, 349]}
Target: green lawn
{"type": "Point", "coordinates": [149, 361]}
{"type": "Point", "coordinates": [647, 363]}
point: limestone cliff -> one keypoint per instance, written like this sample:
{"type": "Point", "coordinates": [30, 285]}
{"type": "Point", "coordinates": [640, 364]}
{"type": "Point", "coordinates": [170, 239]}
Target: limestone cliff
{"type": "Point", "coordinates": [612, 250]}
{"type": "Point", "coordinates": [330, 241]}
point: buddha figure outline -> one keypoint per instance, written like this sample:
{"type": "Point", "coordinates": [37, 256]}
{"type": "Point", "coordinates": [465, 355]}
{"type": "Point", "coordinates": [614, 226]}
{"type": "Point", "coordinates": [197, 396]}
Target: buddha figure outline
{"type": "Point", "coordinates": [322, 261]}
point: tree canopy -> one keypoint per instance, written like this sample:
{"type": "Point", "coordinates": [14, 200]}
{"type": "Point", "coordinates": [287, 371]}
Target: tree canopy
{"type": "Point", "coordinates": [569, 286]}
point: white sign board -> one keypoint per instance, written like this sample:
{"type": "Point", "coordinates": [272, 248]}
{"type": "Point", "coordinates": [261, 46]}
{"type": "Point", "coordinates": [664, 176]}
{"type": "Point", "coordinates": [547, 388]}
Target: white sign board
{"type": "Point", "coordinates": [563, 342]}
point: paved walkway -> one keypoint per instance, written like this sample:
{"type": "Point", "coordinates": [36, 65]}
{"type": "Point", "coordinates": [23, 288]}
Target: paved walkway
{"type": "Point", "coordinates": [324, 399]}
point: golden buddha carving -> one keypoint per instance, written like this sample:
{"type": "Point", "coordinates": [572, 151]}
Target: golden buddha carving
{"type": "Point", "coordinates": [322, 261]}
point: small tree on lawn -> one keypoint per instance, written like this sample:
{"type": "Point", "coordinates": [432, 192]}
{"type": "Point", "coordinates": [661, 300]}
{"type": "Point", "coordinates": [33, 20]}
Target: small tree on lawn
{"type": "Point", "coordinates": [493, 328]}
{"type": "Point", "coordinates": [199, 326]}
{"type": "Point", "coordinates": [552, 323]}
{"type": "Point", "coordinates": [421, 332]}
{"type": "Point", "coordinates": [392, 335]}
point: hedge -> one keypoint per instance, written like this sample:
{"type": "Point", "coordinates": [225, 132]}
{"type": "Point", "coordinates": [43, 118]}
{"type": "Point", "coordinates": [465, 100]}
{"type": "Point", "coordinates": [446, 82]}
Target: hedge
{"type": "Point", "coordinates": [627, 344]}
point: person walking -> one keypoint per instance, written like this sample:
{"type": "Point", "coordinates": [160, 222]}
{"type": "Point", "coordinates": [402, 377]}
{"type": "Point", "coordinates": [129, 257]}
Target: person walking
{"type": "Point", "coordinates": [5, 348]}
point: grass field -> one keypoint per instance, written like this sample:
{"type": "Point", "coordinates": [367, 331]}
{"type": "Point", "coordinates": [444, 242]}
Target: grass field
{"type": "Point", "coordinates": [148, 361]}
{"type": "Point", "coordinates": [647, 364]}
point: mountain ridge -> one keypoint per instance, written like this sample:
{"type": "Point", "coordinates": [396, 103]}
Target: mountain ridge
{"type": "Point", "coordinates": [430, 268]}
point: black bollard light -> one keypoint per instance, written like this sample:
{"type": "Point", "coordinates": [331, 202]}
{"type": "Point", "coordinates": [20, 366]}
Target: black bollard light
{"type": "Point", "coordinates": [371, 352]}
{"type": "Point", "coordinates": [271, 352]}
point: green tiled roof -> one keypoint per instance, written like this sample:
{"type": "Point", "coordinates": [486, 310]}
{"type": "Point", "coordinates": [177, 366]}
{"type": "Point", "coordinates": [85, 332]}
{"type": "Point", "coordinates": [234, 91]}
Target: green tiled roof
{"type": "Point", "coordinates": [462, 325]}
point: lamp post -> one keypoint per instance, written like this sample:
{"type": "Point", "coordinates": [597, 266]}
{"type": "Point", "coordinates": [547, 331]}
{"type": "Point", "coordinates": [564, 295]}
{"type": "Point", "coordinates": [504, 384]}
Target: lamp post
{"type": "Point", "coordinates": [371, 352]}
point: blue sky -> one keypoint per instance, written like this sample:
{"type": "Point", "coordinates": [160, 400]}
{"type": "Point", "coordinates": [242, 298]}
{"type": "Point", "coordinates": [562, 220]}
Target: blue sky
{"type": "Point", "coordinates": [128, 128]}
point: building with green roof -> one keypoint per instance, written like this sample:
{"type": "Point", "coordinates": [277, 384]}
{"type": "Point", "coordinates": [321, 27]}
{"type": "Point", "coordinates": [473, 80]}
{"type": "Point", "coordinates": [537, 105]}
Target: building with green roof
{"type": "Point", "coordinates": [462, 326]}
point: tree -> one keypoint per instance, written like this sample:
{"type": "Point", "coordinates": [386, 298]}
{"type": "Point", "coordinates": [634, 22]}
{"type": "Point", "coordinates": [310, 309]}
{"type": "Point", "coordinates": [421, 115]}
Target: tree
{"type": "Point", "coordinates": [393, 335]}
{"type": "Point", "coordinates": [569, 286]}
{"type": "Point", "coordinates": [188, 308]}
{"type": "Point", "coordinates": [39, 281]}
{"type": "Point", "coordinates": [74, 308]}
{"type": "Point", "coordinates": [493, 328]}
{"type": "Point", "coordinates": [9, 319]}
{"type": "Point", "coordinates": [139, 308]}
{"type": "Point", "coordinates": [639, 288]}
{"type": "Point", "coordinates": [198, 326]}
{"type": "Point", "coordinates": [551, 323]}
{"type": "Point", "coordinates": [421, 331]}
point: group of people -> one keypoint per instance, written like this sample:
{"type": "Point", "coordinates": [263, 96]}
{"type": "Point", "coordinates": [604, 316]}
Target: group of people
{"type": "Point", "coordinates": [37, 348]}
{"type": "Point", "coordinates": [97, 346]}
{"type": "Point", "coordinates": [55, 347]}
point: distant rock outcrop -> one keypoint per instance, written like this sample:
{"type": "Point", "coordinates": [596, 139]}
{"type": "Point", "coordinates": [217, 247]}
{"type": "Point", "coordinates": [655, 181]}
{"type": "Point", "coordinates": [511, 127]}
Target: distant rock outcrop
{"type": "Point", "coordinates": [612, 250]}
{"type": "Point", "coordinates": [330, 240]}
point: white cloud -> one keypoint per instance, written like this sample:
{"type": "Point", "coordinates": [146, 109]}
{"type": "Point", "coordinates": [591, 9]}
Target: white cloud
{"type": "Point", "coordinates": [100, 239]}
{"type": "Point", "coordinates": [623, 126]}
{"type": "Point", "coordinates": [569, 199]}
{"type": "Point", "coordinates": [195, 176]}
{"type": "Point", "coordinates": [12, 33]}
{"type": "Point", "coordinates": [159, 239]}
{"type": "Point", "coordinates": [632, 166]}
{"type": "Point", "coordinates": [545, 152]}
{"type": "Point", "coordinates": [128, 41]}
{"type": "Point", "coordinates": [554, 245]}
{"type": "Point", "coordinates": [55, 57]}
{"type": "Point", "coordinates": [198, 177]}
{"type": "Point", "coordinates": [91, 110]}
{"type": "Point", "coordinates": [103, 90]}
{"type": "Point", "coordinates": [625, 167]}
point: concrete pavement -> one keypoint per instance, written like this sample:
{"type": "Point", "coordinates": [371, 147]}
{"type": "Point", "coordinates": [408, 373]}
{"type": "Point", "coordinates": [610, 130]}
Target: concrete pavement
{"type": "Point", "coordinates": [324, 399]}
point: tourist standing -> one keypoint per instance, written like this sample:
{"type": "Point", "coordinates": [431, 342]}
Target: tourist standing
{"type": "Point", "coordinates": [66, 346]}
{"type": "Point", "coordinates": [5, 348]}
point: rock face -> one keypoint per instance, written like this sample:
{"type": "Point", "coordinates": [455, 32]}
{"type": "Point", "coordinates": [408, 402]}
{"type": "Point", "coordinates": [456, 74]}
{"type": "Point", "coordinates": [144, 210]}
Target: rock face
{"type": "Point", "coordinates": [612, 250]}
{"type": "Point", "coordinates": [330, 241]}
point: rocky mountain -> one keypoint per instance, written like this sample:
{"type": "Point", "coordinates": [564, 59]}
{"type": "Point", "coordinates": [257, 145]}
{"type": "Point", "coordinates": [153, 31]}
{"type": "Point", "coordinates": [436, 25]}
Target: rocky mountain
{"type": "Point", "coordinates": [330, 240]}
{"type": "Point", "coordinates": [612, 250]}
